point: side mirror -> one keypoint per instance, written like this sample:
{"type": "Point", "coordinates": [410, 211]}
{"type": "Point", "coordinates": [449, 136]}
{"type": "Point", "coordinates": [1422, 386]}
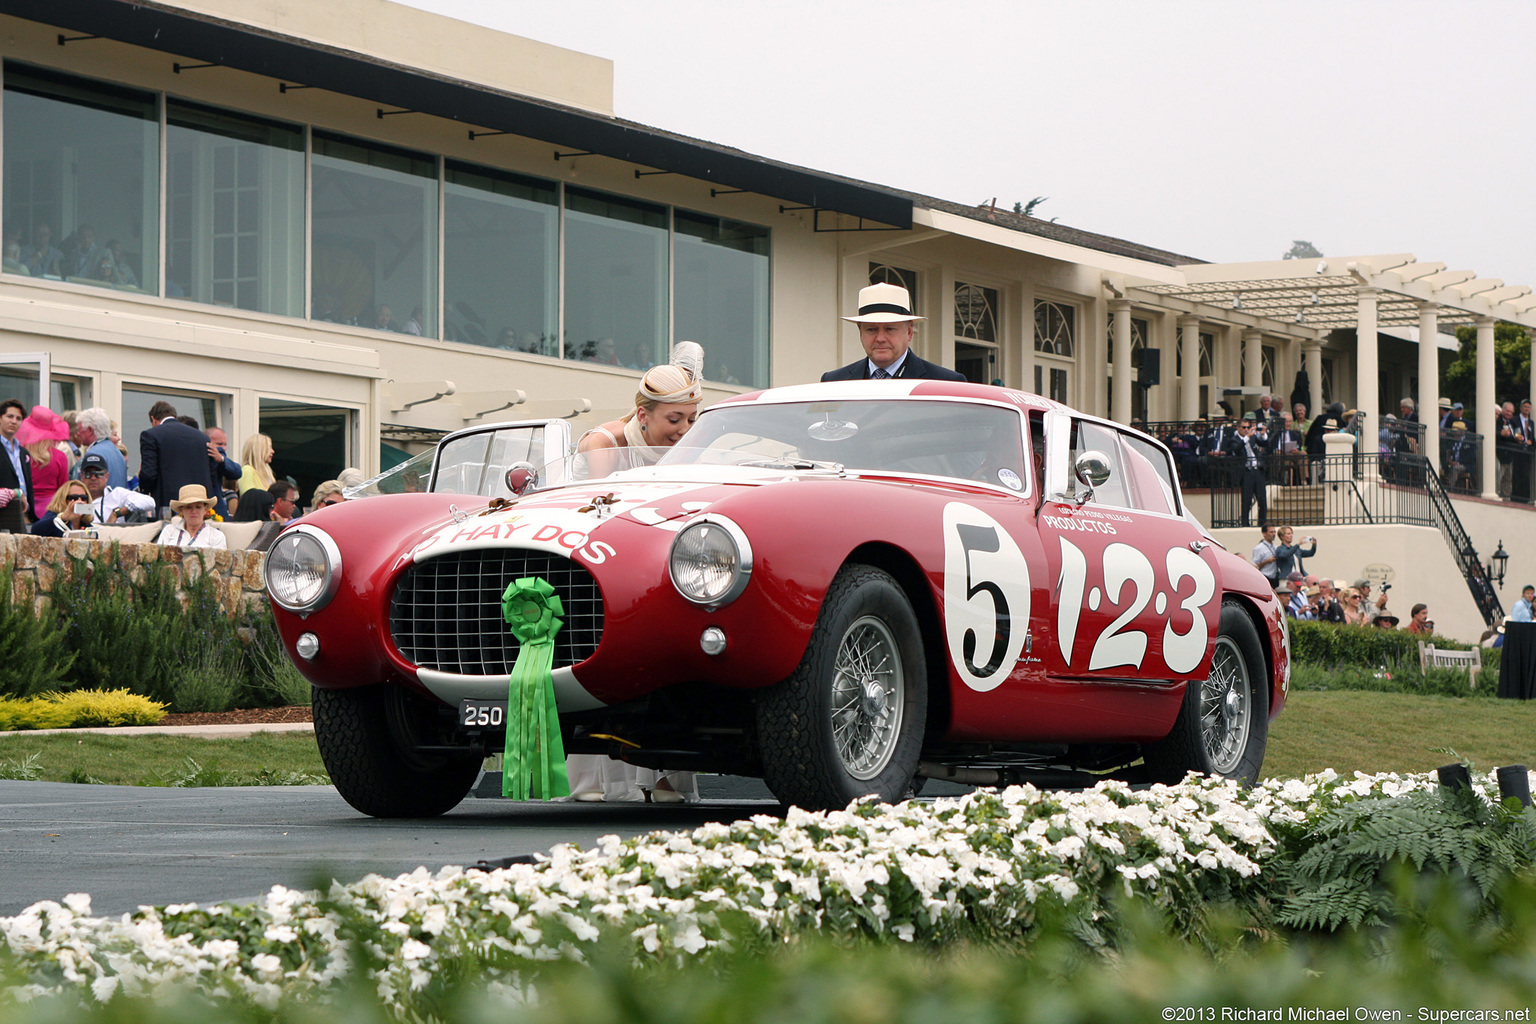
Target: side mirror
{"type": "Point", "coordinates": [1091, 469]}
{"type": "Point", "coordinates": [522, 477]}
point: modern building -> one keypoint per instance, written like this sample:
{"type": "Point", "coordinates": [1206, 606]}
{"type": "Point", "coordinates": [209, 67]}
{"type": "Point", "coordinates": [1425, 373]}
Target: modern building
{"type": "Point", "coordinates": [355, 222]}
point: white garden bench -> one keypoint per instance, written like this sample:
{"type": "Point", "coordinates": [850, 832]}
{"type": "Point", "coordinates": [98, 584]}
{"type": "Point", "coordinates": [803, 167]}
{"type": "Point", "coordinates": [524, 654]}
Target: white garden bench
{"type": "Point", "coordinates": [1470, 662]}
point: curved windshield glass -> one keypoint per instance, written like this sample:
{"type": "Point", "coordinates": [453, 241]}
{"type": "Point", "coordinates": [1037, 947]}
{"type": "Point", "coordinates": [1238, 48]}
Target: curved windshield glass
{"type": "Point", "coordinates": [937, 438]}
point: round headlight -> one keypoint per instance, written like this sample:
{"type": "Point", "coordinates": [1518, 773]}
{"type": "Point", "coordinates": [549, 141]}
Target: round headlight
{"type": "Point", "coordinates": [711, 561]}
{"type": "Point", "coordinates": [303, 569]}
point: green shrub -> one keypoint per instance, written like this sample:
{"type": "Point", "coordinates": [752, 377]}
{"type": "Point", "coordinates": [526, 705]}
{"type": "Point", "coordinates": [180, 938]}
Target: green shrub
{"type": "Point", "coordinates": [78, 708]}
{"type": "Point", "coordinates": [182, 649]}
{"type": "Point", "coordinates": [272, 678]}
{"type": "Point", "coordinates": [1441, 682]}
{"type": "Point", "coordinates": [122, 633]}
{"type": "Point", "coordinates": [33, 655]}
{"type": "Point", "coordinates": [1331, 644]}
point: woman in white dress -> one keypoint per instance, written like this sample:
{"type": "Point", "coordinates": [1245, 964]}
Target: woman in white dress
{"type": "Point", "coordinates": [665, 407]}
{"type": "Point", "coordinates": [194, 530]}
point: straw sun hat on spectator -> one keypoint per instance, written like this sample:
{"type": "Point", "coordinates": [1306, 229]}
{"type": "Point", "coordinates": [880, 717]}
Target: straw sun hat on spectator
{"type": "Point", "coordinates": [192, 494]}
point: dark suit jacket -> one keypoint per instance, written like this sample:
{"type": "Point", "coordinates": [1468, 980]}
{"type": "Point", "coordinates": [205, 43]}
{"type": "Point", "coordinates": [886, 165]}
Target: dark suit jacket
{"type": "Point", "coordinates": [173, 455]}
{"type": "Point", "coordinates": [19, 512]}
{"type": "Point", "coordinates": [912, 368]}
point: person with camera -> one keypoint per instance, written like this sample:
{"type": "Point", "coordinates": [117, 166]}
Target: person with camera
{"type": "Point", "coordinates": [112, 504]}
{"type": "Point", "coordinates": [1327, 605]}
{"type": "Point", "coordinates": [1289, 554]}
{"type": "Point", "coordinates": [70, 509]}
{"type": "Point", "coordinates": [1373, 610]}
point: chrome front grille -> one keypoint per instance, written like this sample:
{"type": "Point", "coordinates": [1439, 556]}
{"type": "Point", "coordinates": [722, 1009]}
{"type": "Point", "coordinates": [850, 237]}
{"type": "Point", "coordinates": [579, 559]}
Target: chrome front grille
{"type": "Point", "coordinates": [445, 613]}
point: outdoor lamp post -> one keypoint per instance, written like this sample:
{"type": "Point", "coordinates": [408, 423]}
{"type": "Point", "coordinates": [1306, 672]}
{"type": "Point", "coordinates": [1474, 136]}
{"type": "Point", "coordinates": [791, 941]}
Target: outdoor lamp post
{"type": "Point", "coordinates": [1497, 566]}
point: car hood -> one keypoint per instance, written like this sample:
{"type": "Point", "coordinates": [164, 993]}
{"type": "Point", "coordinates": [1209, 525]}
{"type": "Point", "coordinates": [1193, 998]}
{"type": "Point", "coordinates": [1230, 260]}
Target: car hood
{"type": "Point", "coordinates": [572, 520]}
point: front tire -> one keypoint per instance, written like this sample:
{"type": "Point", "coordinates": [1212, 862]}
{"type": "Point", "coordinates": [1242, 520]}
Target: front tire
{"type": "Point", "coordinates": [1223, 724]}
{"type": "Point", "coordinates": [368, 738]}
{"type": "Point", "coordinates": [849, 722]}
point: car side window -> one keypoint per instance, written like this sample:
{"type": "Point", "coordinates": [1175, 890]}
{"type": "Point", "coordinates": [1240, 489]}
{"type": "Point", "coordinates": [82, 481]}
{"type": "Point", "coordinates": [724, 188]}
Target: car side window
{"type": "Point", "coordinates": [1150, 476]}
{"type": "Point", "coordinates": [1091, 437]}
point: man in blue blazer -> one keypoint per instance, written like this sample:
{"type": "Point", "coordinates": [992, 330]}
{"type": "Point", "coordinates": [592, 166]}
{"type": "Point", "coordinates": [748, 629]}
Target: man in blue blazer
{"type": "Point", "coordinates": [173, 455]}
{"type": "Point", "coordinates": [885, 322]}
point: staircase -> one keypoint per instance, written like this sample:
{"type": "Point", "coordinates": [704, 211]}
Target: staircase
{"type": "Point", "coordinates": [1449, 524]}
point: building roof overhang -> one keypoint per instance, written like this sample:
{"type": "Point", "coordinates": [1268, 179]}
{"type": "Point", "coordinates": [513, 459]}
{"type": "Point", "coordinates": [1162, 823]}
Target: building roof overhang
{"type": "Point", "coordinates": [1324, 294]}
{"type": "Point", "coordinates": [174, 30]}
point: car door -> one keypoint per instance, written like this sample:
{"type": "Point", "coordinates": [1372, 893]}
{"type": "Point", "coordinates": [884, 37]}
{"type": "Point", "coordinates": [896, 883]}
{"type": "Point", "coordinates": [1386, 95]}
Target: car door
{"type": "Point", "coordinates": [1135, 598]}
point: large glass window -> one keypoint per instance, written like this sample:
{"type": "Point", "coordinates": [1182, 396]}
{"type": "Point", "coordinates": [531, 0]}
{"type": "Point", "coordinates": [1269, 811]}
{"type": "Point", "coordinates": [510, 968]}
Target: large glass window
{"type": "Point", "coordinates": [374, 236]}
{"type": "Point", "coordinates": [615, 280]}
{"type": "Point", "coordinates": [81, 180]}
{"type": "Point", "coordinates": [501, 238]}
{"type": "Point", "coordinates": [721, 298]}
{"type": "Point", "coordinates": [234, 210]}
{"type": "Point", "coordinates": [312, 443]}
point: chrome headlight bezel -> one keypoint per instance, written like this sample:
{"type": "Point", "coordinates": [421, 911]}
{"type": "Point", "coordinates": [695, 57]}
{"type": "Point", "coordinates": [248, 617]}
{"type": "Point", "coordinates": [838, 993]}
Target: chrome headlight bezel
{"type": "Point", "coordinates": [710, 528]}
{"type": "Point", "coordinates": [283, 558]}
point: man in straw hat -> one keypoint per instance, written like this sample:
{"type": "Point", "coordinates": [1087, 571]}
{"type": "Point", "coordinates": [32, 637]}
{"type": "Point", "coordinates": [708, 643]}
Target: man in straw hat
{"type": "Point", "coordinates": [885, 320]}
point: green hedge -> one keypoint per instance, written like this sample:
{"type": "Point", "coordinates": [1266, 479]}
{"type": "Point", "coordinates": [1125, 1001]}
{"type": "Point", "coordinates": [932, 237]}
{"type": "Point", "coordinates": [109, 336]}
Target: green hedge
{"type": "Point", "coordinates": [1328, 643]}
{"type": "Point", "coordinates": [178, 646]}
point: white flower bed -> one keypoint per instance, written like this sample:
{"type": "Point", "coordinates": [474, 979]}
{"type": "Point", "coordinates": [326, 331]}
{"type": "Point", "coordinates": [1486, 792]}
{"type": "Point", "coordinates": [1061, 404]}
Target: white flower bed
{"type": "Point", "coordinates": [981, 865]}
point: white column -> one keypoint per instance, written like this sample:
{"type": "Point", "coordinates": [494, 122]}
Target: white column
{"type": "Point", "coordinates": [1253, 358]}
{"type": "Point", "coordinates": [1312, 354]}
{"type": "Point", "coordinates": [1429, 381]}
{"type": "Point", "coordinates": [1189, 380]}
{"type": "Point", "coordinates": [1487, 408]}
{"type": "Point", "coordinates": [1366, 362]}
{"type": "Point", "coordinates": [1120, 309]}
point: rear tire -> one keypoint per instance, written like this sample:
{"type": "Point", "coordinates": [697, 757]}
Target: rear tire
{"type": "Point", "coordinates": [368, 738]}
{"type": "Point", "coordinates": [1223, 724]}
{"type": "Point", "coordinates": [849, 722]}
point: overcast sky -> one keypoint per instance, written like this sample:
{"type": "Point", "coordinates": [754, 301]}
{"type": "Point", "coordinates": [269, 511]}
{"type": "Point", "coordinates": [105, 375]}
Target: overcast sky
{"type": "Point", "coordinates": [1221, 130]}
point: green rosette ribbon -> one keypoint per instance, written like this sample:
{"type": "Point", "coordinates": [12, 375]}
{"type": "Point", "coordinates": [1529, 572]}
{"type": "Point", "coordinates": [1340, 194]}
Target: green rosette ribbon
{"type": "Point", "coordinates": [534, 764]}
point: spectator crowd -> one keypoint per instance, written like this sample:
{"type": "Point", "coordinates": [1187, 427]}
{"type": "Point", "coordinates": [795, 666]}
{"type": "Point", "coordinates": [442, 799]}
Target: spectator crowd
{"type": "Point", "coordinates": [1281, 557]}
{"type": "Point", "coordinates": [63, 472]}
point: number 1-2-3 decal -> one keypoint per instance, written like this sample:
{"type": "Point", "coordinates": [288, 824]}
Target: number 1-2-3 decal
{"type": "Point", "coordinates": [1118, 645]}
{"type": "Point", "coordinates": [986, 597]}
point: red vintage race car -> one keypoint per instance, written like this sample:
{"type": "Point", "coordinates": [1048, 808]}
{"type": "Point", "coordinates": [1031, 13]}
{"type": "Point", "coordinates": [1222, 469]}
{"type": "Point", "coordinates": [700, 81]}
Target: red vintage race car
{"type": "Point", "coordinates": [836, 587]}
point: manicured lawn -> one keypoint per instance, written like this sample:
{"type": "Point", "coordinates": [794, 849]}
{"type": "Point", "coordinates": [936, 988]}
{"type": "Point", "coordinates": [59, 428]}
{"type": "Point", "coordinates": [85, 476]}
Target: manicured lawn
{"type": "Point", "coordinates": [1396, 732]}
{"type": "Point", "coordinates": [1345, 730]}
{"type": "Point", "coordinates": [262, 759]}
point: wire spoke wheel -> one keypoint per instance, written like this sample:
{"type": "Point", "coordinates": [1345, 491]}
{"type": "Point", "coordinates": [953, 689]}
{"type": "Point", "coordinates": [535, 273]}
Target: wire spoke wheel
{"type": "Point", "coordinates": [1226, 710]}
{"type": "Point", "coordinates": [868, 695]}
{"type": "Point", "coordinates": [1223, 722]}
{"type": "Point", "coordinates": [849, 722]}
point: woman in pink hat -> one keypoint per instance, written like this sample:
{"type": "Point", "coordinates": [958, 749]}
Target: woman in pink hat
{"type": "Point", "coordinates": [40, 434]}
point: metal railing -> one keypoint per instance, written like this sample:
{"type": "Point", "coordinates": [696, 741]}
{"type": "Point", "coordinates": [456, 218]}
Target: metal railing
{"type": "Point", "coordinates": [1324, 490]}
{"type": "Point", "coordinates": [1356, 489]}
{"type": "Point", "coordinates": [1461, 469]}
{"type": "Point", "coordinates": [1471, 566]}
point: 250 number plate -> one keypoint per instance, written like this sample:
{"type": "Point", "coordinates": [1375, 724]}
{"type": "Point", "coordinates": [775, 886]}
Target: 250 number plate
{"type": "Point", "coordinates": [483, 714]}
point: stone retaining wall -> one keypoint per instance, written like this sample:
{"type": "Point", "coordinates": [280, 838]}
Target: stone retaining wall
{"type": "Point", "coordinates": [38, 562]}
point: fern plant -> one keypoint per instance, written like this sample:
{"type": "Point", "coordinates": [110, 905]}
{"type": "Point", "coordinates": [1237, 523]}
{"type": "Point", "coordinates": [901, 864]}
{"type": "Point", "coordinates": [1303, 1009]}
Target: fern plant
{"type": "Point", "coordinates": [1344, 876]}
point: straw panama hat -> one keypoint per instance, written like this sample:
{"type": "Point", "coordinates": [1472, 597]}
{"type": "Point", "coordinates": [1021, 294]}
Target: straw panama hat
{"type": "Point", "coordinates": [192, 494]}
{"type": "Point", "coordinates": [884, 304]}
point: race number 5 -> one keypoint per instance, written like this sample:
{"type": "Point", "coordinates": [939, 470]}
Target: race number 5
{"type": "Point", "coordinates": [986, 597]}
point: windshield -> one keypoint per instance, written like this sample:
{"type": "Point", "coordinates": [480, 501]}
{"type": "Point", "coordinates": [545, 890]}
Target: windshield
{"type": "Point", "coordinates": [477, 463]}
{"type": "Point", "coordinates": [966, 440]}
